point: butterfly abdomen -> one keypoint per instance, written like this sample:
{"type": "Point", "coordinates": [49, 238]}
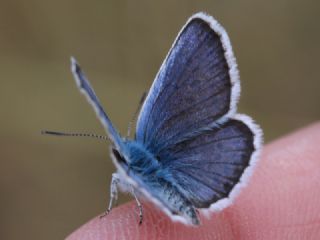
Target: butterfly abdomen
{"type": "Point", "coordinates": [177, 202]}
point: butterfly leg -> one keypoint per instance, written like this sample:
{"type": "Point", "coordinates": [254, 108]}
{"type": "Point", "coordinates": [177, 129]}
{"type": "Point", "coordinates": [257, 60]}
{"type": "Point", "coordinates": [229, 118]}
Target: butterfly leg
{"type": "Point", "coordinates": [113, 193]}
{"type": "Point", "coordinates": [139, 206]}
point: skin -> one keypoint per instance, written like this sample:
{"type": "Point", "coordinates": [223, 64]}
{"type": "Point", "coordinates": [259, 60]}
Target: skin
{"type": "Point", "coordinates": [281, 201]}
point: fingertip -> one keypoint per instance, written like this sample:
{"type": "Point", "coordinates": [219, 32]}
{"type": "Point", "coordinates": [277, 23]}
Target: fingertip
{"type": "Point", "coordinates": [123, 223]}
{"type": "Point", "coordinates": [116, 225]}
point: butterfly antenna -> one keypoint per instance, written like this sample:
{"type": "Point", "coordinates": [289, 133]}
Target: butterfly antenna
{"type": "Point", "coordinates": [45, 132]}
{"type": "Point", "coordinates": [143, 97]}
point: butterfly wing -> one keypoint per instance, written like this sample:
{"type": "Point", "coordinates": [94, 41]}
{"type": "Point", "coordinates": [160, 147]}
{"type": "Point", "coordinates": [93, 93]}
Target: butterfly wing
{"type": "Point", "coordinates": [197, 86]}
{"type": "Point", "coordinates": [85, 88]}
{"type": "Point", "coordinates": [188, 120]}
{"type": "Point", "coordinates": [213, 165]}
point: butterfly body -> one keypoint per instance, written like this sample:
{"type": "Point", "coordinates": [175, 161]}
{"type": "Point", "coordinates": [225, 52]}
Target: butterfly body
{"type": "Point", "coordinates": [142, 166]}
{"type": "Point", "coordinates": [191, 150]}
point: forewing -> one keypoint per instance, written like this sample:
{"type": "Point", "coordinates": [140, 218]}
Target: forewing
{"type": "Point", "coordinates": [210, 166]}
{"type": "Point", "coordinates": [196, 87]}
{"type": "Point", "coordinates": [85, 88]}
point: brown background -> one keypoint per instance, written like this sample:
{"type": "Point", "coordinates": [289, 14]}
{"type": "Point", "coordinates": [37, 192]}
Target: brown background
{"type": "Point", "coordinates": [49, 186]}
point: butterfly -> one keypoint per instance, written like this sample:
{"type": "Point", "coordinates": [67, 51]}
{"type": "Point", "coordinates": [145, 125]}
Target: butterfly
{"type": "Point", "coordinates": [192, 150]}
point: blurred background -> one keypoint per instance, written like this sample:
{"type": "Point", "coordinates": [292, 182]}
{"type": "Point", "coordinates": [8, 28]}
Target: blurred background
{"type": "Point", "coordinates": [50, 186]}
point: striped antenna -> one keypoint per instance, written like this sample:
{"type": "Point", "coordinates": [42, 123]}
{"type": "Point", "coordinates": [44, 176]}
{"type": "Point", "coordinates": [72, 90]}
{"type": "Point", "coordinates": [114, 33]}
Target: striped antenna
{"type": "Point", "coordinates": [143, 97]}
{"type": "Point", "coordinates": [92, 135]}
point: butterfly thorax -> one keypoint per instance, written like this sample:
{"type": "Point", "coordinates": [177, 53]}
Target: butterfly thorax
{"type": "Point", "coordinates": [140, 160]}
{"type": "Point", "coordinates": [147, 171]}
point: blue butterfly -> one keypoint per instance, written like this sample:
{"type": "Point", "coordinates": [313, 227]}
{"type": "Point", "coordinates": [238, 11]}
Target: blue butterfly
{"type": "Point", "coordinates": [191, 150]}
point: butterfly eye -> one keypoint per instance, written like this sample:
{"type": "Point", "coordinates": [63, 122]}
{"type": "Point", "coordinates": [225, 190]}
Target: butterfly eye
{"type": "Point", "coordinates": [118, 157]}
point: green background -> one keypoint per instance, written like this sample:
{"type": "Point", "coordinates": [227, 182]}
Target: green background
{"type": "Point", "coordinates": [50, 186]}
